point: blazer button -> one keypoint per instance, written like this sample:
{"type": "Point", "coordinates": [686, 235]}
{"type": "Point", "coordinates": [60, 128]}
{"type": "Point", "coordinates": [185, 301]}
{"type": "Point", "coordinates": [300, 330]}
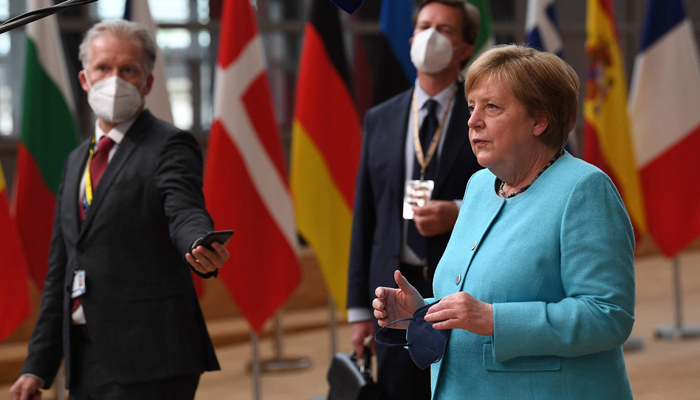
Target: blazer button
{"type": "Point", "coordinates": [458, 279]}
{"type": "Point", "coordinates": [474, 245]}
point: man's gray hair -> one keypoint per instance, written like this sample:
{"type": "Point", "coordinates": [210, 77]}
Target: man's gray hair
{"type": "Point", "coordinates": [121, 29]}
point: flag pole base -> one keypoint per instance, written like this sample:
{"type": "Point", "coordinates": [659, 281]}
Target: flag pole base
{"type": "Point", "coordinates": [284, 364]}
{"type": "Point", "coordinates": [633, 344]}
{"type": "Point", "coordinates": [673, 332]}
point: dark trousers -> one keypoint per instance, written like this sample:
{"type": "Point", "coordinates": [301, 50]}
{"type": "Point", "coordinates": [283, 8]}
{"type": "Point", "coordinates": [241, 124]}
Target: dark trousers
{"type": "Point", "coordinates": [91, 381]}
{"type": "Point", "coordinates": [397, 375]}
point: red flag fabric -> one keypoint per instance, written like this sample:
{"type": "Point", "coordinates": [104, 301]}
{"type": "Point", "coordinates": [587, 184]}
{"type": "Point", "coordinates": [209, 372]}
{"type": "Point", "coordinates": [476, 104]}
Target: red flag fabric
{"type": "Point", "coordinates": [15, 304]}
{"type": "Point", "coordinates": [245, 179]}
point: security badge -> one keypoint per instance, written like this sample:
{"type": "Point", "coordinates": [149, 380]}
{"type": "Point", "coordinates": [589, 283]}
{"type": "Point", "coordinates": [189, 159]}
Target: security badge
{"type": "Point", "coordinates": [78, 284]}
{"type": "Point", "coordinates": [419, 192]}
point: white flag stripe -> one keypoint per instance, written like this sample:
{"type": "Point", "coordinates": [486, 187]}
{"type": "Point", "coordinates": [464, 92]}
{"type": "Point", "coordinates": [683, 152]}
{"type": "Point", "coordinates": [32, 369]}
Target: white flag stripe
{"type": "Point", "coordinates": [231, 84]}
{"type": "Point", "coordinates": [537, 18]}
{"type": "Point", "coordinates": [664, 103]}
{"type": "Point", "coordinates": [49, 48]}
{"type": "Point", "coordinates": [158, 101]}
{"type": "Point", "coordinates": [240, 73]}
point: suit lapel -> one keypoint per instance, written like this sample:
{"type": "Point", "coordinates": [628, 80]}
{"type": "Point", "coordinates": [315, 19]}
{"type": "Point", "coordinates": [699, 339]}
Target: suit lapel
{"type": "Point", "coordinates": [457, 135]}
{"type": "Point", "coordinates": [127, 146]}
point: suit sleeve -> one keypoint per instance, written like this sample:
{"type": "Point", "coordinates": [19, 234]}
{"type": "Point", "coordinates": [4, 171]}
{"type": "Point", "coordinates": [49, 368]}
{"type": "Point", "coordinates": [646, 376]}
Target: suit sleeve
{"type": "Point", "coordinates": [179, 183]}
{"type": "Point", "coordinates": [46, 346]}
{"type": "Point", "coordinates": [597, 272]}
{"type": "Point", "coordinates": [363, 227]}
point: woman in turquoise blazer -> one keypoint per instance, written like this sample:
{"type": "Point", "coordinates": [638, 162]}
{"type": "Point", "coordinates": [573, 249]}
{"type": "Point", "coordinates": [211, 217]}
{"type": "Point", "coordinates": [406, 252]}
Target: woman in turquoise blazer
{"type": "Point", "coordinates": [537, 281]}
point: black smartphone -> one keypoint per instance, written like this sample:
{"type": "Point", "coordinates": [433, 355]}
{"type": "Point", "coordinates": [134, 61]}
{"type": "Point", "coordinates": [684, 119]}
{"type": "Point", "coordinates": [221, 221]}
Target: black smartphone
{"type": "Point", "coordinates": [211, 237]}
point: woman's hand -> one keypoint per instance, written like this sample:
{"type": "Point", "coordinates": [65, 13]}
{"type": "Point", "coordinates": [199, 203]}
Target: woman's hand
{"type": "Point", "coordinates": [462, 311]}
{"type": "Point", "coordinates": [392, 304]}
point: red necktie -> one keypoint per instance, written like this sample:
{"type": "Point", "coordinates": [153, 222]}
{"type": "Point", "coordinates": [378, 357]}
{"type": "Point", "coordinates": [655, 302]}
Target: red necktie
{"type": "Point", "coordinates": [98, 164]}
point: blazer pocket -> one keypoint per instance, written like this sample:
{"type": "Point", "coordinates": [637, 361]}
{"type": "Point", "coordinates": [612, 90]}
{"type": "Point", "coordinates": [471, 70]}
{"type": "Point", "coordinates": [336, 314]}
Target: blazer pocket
{"type": "Point", "coordinates": [520, 364]}
{"type": "Point", "coordinates": [155, 291]}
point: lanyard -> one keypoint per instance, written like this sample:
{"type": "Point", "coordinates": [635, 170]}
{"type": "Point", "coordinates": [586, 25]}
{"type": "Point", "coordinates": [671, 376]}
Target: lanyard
{"type": "Point", "coordinates": [88, 180]}
{"type": "Point", "coordinates": [424, 160]}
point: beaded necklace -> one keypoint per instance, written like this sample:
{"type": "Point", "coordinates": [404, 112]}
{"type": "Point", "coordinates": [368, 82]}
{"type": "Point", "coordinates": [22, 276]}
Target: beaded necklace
{"type": "Point", "coordinates": [517, 192]}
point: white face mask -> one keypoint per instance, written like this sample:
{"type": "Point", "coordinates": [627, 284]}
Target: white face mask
{"type": "Point", "coordinates": [113, 99]}
{"type": "Point", "coordinates": [431, 51]}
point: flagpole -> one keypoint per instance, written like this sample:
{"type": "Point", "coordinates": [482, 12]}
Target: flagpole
{"type": "Point", "coordinates": [279, 363]}
{"type": "Point", "coordinates": [679, 330]}
{"type": "Point", "coordinates": [255, 365]}
{"type": "Point", "coordinates": [332, 325]}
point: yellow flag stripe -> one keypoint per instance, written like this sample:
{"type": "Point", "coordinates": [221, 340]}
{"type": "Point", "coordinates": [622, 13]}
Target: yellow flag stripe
{"type": "Point", "coordinates": [323, 218]}
{"type": "Point", "coordinates": [607, 113]}
{"type": "Point", "coordinates": [2, 180]}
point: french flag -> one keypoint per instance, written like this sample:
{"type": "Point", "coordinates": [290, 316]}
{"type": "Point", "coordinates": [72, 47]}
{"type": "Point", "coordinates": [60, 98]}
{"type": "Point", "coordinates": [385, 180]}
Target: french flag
{"type": "Point", "coordinates": [664, 110]}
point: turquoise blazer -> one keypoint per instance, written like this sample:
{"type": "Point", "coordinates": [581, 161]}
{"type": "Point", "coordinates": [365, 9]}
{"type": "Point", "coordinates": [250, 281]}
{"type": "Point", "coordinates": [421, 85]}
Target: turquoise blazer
{"type": "Point", "coordinates": [557, 264]}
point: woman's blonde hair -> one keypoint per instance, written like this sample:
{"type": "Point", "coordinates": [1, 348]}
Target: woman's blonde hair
{"type": "Point", "coordinates": [541, 81]}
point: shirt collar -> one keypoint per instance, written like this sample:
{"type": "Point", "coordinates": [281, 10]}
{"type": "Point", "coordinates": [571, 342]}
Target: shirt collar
{"type": "Point", "coordinates": [442, 98]}
{"type": "Point", "coordinates": [117, 133]}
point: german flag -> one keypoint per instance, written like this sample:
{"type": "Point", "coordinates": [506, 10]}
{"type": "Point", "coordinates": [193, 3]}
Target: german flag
{"type": "Point", "coordinates": [326, 141]}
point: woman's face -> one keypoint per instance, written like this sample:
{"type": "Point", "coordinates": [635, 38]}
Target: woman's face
{"type": "Point", "coordinates": [502, 132]}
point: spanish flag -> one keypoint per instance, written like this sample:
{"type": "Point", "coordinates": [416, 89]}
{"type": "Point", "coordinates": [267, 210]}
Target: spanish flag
{"type": "Point", "coordinates": [326, 141]}
{"type": "Point", "coordinates": [607, 141]}
{"type": "Point", "coordinates": [15, 304]}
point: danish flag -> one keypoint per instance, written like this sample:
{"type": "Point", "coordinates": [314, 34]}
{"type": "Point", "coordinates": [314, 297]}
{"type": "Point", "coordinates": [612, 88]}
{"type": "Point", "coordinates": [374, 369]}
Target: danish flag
{"type": "Point", "coordinates": [245, 179]}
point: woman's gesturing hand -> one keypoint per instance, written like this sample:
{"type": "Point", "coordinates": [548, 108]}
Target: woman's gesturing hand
{"type": "Point", "coordinates": [462, 311]}
{"type": "Point", "coordinates": [392, 304]}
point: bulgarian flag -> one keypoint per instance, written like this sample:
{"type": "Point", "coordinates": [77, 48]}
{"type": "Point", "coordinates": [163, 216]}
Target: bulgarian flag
{"type": "Point", "coordinates": [326, 142]}
{"type": "Point", "coordinates": [48, 133]}
{"type": "Point", "coordinates": [607, 143]}
{"type": "Point", "coordinates": [664, 111]}
{"type": "Point", "coordinates": [15, 304]}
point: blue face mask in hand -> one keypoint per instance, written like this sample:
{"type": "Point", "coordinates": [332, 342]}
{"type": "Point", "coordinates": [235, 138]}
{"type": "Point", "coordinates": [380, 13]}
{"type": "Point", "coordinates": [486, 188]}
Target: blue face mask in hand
{"type": "Point", "coordinates": [426, 345]}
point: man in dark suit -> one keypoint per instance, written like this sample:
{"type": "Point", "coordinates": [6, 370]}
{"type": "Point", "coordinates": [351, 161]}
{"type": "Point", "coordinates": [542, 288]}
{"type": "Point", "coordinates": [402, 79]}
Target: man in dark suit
{"type": "Point", "coordinates": [382, 240]}
{"type": "Point", "coordinates": [119, 304]}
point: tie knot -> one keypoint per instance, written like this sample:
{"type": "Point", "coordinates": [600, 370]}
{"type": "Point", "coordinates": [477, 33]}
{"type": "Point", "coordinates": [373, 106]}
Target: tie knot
{"type": "Point", "coordinates": [431, 106]}
{"type": "Point", "coordinates": [105, 144]}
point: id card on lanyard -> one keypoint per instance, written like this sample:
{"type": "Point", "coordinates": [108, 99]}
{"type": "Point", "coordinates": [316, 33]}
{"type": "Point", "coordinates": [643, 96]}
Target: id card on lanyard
{"type": "Point", "coordinates": [418, 192]}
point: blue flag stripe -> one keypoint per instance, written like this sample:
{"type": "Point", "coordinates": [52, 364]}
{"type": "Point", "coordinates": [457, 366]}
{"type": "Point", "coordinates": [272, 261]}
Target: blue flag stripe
{"type": "Point", "coordinates": [396, 26]}
{"type": "Point", "coordinates": [127, 10]}
{"type": "Point", "coordinates": [662, 16]}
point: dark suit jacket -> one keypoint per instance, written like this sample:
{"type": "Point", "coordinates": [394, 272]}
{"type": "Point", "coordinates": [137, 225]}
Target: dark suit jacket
{"type": "Point", "coordinates": [141, 308]}
{"type": "Point", "coordinates": [377, 216]}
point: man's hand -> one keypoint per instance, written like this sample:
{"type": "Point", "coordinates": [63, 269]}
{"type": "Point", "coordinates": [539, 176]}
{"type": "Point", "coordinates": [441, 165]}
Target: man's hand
{"type": "Point", "coordinates": [360, 331]}
{"type": "Point", "coordinates": [26, 388]}
{"type": "Point", "coordinates": [205, 261]}
{"type": "Point", "coordinates": [436, 217]}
